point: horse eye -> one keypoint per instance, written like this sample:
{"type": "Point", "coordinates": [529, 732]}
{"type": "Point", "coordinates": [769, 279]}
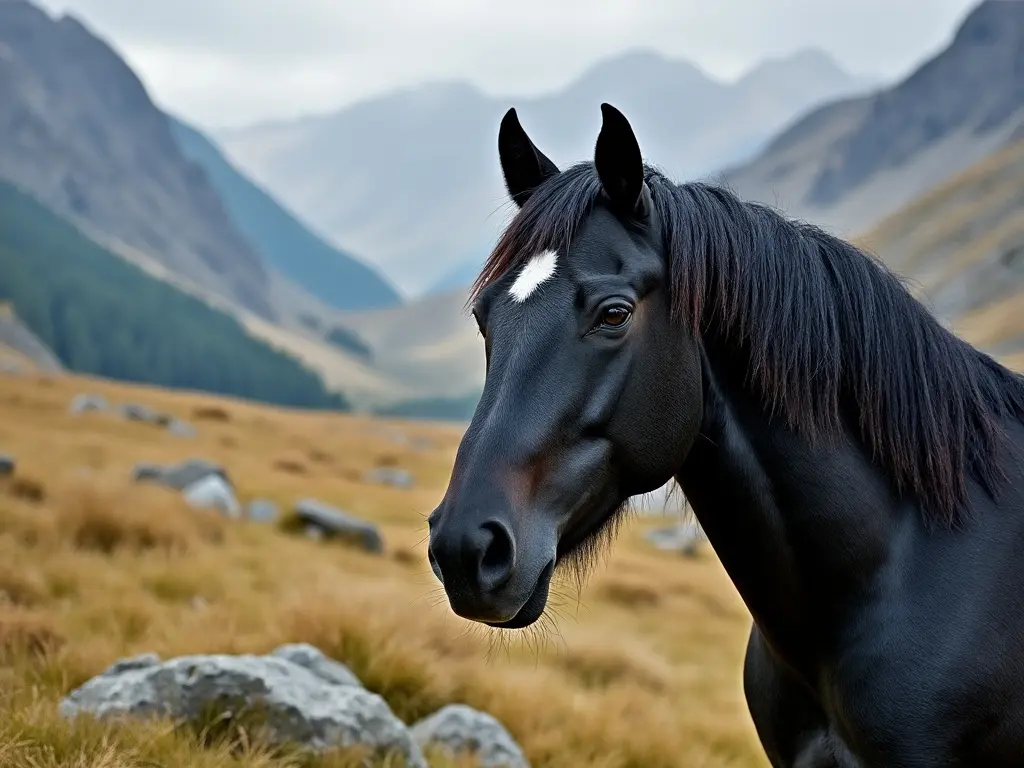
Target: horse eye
{"type": "Point", "coordinates": [615, 317]}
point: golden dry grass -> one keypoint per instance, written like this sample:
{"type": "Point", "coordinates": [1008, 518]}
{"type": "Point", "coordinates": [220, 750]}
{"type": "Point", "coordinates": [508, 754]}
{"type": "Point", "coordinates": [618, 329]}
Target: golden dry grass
{"type": "Point", "coordinates": [643, 669]}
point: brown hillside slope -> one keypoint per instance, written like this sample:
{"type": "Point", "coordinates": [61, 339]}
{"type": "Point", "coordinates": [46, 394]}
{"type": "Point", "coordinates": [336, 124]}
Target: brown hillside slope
{"type": "Point", "coordinates": [644, 670]}
{"type": "Point", "coordinates": [962, 247]}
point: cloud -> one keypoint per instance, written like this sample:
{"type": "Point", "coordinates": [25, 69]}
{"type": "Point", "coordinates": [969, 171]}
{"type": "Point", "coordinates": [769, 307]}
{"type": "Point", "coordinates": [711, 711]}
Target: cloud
{"type": "Point", "coordinates": [229, 62]}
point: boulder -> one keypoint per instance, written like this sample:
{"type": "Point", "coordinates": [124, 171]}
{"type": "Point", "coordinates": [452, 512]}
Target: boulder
{"type": "Point", "coordinates": [292, 704]}
{"type": "Point", "coordinates": [136, 412]}
{"type": "Point", "coordinates": [213, 492]}
{"type": "Point", "coordinates": [180, 428]}
{"type": "Point", "coordinates": [683, 538]}
{"type": "Point", "coordinates": [83, 403]}
{"type": "Point", "coordinates": [179, 476]}
{"type": "Point", "coordinates": [263, 511]}
{"type": "Point", "coordinates": [202, 483]}
{"type": "Point", "coordinates": [324, 522]}
{"type": "Point", "coordinates": [312, 658]}
{"type": "Point", "coordinates": [460, 729]}
{"type": "Point", "coordinates": [399, 478]}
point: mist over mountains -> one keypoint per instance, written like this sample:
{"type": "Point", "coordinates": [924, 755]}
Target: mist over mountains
{"type": "Point", "coordinates": [411, 181]}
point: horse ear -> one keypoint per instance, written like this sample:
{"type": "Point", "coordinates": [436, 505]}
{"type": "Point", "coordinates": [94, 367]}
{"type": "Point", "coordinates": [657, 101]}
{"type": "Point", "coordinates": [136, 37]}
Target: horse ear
{"type": "Point", "coordinates": [620, 165]}
{"type": "Point", "coordinates": [524, 166]}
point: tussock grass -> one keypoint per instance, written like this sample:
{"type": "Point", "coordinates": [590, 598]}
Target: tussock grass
{"type": "Point", "coordinates": [642, 667]}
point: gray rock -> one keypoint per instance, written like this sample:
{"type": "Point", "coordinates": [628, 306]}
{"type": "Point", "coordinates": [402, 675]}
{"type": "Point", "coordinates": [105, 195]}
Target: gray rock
{"type": "Point", "coordinates": [84, 403]}
{"type": "Point", "coordinates": [145, 472]}
{"type": "Point", "coordinates": [136, 412]}
{"type": "Point", "coordinates": [293, 704]}
{"type": "Point", "coordinates": [333, 523]}
{"type": "Point", "coordinates": [313, 659]}
{"type": "Point", "coordinates": [458, 728]}
{"type": "Point", "coordinates": [683, 538]}
{"type": "Point", "coordinates": [180, 428]}
{"type": "Point", "coordinates": [399, 478]}
{"type": "Point", "coordinates": [179, 476]}
{"type": "Point", "coordinates": [263, 511]}
{"type": "Point", "coordinates": [7, 465]}
{"type": "Point", "coordinates": [213, 491]}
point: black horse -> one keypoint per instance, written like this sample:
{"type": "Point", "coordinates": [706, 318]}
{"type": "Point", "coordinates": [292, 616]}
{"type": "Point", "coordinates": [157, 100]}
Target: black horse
{"type": "Point", "coordinates": [856, 467]}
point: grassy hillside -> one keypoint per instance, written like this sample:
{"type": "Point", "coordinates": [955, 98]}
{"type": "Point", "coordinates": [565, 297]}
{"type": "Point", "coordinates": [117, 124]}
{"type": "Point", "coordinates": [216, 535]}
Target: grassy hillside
{"type": "Point", "coordinates": [102, 315]}
{"type": "Point", "coordinates": [962, 246]}
{"type": "Point", "coordinates": [336, 278]}
{"type": "Point", "coordinates": [642, 670]}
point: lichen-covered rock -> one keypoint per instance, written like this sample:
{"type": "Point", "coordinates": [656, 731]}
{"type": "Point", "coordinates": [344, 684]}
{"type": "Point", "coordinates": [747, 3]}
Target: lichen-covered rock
{"type": "Point", "coordinates": [292, 704]}
{"type": "Point", "coordinates": [313, 659]}
{"type": "Point", "coordinates": [460, 729]}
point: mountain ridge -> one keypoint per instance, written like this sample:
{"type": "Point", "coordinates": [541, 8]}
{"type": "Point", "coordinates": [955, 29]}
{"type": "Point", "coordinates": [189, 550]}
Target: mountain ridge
{"type": "Point", "coordinates": [410, 177]}
{"type": "Point", "coordinates": [283, 241]}
{"type": "Point", "coordinates": [80, 132]}
{"type": "Point", "coordinates": [850, 162]}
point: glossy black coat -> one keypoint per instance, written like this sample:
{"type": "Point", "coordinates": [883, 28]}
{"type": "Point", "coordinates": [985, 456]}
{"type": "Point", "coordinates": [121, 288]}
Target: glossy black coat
{"type": "Point", "coordinates": [858, 470]}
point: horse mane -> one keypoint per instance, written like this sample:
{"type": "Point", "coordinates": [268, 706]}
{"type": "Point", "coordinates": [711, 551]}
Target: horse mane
{"type": "Point", "coordinates": [825, 324]}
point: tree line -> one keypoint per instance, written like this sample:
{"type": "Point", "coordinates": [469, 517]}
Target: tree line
{"type": "Point", "coordinates": [101, 315]}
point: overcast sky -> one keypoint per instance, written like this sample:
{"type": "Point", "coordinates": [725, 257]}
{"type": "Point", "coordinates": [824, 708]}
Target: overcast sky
{"type": "Point", "coordinates": [231, 62]}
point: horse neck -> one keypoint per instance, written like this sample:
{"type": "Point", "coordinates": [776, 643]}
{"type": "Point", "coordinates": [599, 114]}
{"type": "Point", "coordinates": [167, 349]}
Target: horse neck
{"type": "Point", "coordinates": [800, 526]}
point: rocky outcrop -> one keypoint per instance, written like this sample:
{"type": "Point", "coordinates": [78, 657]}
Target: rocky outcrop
{"type": "Point", "coordinates": [298, 696]}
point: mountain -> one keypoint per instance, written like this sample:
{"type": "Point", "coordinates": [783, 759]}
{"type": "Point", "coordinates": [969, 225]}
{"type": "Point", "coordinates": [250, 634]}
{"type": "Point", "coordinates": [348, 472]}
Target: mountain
{"type": "Point", "coordinates": [79, 132]}
{"type": "Point", "coordinates": [104, 316]}
{"type": "Point", "coordinates": [847, 164]}
{"type": "Point", "coordinates": [335, 277]}
{"type": "Point", "coordinates": [962, 246]}
{"type": "Point", "coordinates": [411, 178]}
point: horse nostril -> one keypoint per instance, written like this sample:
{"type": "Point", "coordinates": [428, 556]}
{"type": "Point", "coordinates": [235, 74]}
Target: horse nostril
{"type": "Point", "coordinates": [498, 556]}
{"type": "Point", "coordinates": [433, 565]}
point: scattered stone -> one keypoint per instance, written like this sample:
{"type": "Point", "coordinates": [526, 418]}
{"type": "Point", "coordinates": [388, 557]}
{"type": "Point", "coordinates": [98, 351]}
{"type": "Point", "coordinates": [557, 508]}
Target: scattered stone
{"type": "Point", "coordinates": [292, 703]}
{"type": "Point", "coordinates": [179, 476]}
{"type": "Point", "coordinates": [399, 478]}
{"type": "Point", "coordinates": [180, 428]}
{"type": "Point", "coordinates": [84, 403]}
{"type": "Point", "coordinates": [683, 538]}
{"type": "Point", "coordinates": [458, 728]}
{"type": "Point", "coordinates": [312, 658]}
{"type": "Point", "coordinates": [7, 465]}
{"type": "Point", "coordinates": [145, 472]}
{"type": "Point", "coordinates": [202, 483]}
{"type": "Point", "coordinates": [136, 412]}
{"type": "Point", "coordinates": [213, 491]}
{"type": "Point", "coordinates": [263, 511]}
{"type": "Point", "coordinates": [329, 522]}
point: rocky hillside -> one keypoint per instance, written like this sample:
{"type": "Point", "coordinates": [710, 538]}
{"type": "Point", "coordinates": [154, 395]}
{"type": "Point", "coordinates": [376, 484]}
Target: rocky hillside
{"type": "Point", "coordinates": [80, 133]}
{"type": "Point", "coordinates": [411, 180]}
{"type": "Point", "coordinates": [851, 162]}
{"type": "Point", "coordinates": [962, 246]}
{"type": "Point", "coordinates": [335, 277]}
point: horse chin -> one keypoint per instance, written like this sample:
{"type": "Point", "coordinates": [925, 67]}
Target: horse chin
{"type": "Point", "coordinates": [534, 606]}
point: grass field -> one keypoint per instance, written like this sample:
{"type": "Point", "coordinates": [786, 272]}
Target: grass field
{"type": "Point", "coordinates": [639, 669]}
